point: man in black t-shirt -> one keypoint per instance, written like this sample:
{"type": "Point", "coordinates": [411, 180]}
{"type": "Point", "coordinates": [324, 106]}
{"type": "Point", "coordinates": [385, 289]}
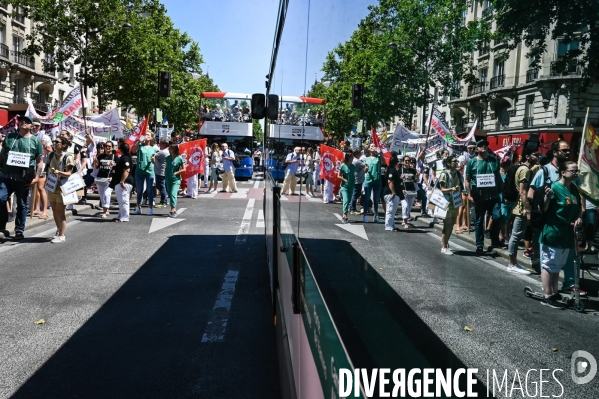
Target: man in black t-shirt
{"type": "Point", "coordinates": [392, 193]}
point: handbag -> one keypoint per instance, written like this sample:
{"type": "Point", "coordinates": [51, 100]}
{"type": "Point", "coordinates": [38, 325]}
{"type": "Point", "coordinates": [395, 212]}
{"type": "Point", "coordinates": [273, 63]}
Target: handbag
{"type": "Point", "coordinates": [410, 193]}
{"type": "Point", "coordinates": [101, 181]}
{"type": "Point", "coordinates": [220, 169]}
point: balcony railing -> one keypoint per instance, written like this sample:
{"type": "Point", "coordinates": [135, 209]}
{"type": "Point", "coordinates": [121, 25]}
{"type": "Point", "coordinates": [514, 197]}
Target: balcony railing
{"type": "Point", "coordinates": [502, 125]}
{"type": "Point", "coordinates": [477, 89]}
{"type": "Point", "coordinates": [19, 100]}
{"type": "Point", "coordinates": [528, 122]}
{"type": "Point", "coordinates": [4, 52]}
{"type": "Point", "coordinates": [23, 59]}
{"type": "Point", "coordinates": [40, 106]}
{"type": "Point", "coordinates": [487, 12]}
{"type": "Point", "coordinates": [561, 68]}
{"type": "Point", "coordinates": [497, 81]}
{"type": "Point", "coordinates": [531, 75]}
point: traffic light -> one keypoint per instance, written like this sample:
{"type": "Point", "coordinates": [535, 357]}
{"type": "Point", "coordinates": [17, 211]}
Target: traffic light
{"type": "Point", "coordinates": [272, 112]}
{"type": "Point", "coordinates": [357, 94]}
{"type": "Point", "coordinates": [164, 84]}
{"type": "Point", "coordinates": [258, 106]}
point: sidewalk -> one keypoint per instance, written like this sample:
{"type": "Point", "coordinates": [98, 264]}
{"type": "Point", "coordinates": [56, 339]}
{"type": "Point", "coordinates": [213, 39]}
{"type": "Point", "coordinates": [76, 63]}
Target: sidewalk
{"type": "Point", "coordinates": [36, 222]}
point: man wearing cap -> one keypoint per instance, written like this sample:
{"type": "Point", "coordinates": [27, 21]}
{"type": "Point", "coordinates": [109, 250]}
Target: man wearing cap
{"type": "Point", "coordinates": [483, 183]}
{"type": "Point", "coordinates": [21, 163]}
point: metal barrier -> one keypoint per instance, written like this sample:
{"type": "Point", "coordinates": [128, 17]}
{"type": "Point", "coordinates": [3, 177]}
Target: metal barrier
{"type": "Point", "coordinates": [310, 349]}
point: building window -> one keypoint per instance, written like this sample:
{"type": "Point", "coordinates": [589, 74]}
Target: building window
{"type": "Point", "coordinates": [72, 75]}
{"type": "Point", "coordinates": [484, 48]}
{"type": "Point", "coordinates": [482, 75]}
{"type": "Point", "coordinates": [17, 44]}
{"type": "Point", "coordinates": [529, 111]}
{"type": "Point", "coordinates": [564, 49]}
{"type": "Point", "coordinates": [60, 96]}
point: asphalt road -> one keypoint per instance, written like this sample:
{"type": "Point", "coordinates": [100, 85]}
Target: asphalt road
{"type": "Point", "coordinates": [141, 309]}
{"type": "Point", "coordinates": [399, 302]}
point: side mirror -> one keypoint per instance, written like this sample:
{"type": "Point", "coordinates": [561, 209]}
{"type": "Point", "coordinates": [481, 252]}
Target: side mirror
{"type": "Point", "coordinates": [273, 107]}
{"type": "Point", "coordinates": [258, 106]}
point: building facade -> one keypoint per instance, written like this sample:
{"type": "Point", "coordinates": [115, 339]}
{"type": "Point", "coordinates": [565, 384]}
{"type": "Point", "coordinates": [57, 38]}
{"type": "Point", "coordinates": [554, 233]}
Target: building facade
{"type": "Point", "coordinates": [22, 77]}
{"type": "Point", "coordinates": [513, 99]}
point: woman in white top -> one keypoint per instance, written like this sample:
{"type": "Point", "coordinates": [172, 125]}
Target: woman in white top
{"type": "Point", "coordinates": [215, 159]}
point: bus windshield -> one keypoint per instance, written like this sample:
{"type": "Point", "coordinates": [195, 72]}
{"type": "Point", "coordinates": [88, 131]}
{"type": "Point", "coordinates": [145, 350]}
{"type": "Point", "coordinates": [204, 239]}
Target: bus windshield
{"type": "Point", "coordinates": [226, 110]}
{"type": "Point", "coordinates": [301, 113]}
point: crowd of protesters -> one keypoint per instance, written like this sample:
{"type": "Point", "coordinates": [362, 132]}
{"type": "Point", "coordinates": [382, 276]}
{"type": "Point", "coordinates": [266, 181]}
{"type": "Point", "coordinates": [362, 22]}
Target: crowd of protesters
{"type": "Point", "coordinates": [530, 198]}
{"type": "Point", "coordinates": [147, 170]}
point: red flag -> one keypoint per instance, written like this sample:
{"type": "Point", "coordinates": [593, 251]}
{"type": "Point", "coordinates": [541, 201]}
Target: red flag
{"type": "Point", "coordinates": [330, 161]}
{"type": "Point", "coordinates": [11, 126]}
{"type": "Point", "coordinates": [380, 145]}
{"type": "Point", "coordinates": [194, 153]}
{"type": "Point", "coordinates": [138, 131]}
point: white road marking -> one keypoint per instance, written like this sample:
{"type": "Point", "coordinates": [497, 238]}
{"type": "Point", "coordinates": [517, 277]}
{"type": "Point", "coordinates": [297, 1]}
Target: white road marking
{"type": "Point", "coordinates": [212, 194]}
{"type": "Point", "coordinates": [244, 229]}
{"type": "Point", "coordinates": [314, 199]}
{"type": "Point", "coordinates": [257, 184]}
{"type": "Point", "coordinates": [260, 220]}
{"type": "Point", "coordinates": [356, 229]}
{"type": "Point", "coordinates": [180, 211]}
{"type": "Point", "coordinates": [338, 216]}
{"type": "Point", "coordinates": [161, 223]}
{"type": "Point", "coordinates": [217, 324]}
{"type": "Point", "coordinates": [284, 198]}
{"type": "Point", "coordinates": [242, 193]}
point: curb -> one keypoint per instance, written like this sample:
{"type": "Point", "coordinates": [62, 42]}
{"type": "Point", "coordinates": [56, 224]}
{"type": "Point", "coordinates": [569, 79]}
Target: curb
{"type": "Point", "coordinates": [32, 223]}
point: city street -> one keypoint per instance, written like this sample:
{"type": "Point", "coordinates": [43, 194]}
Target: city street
{"type": "Point", "coordinates": [153, 308]}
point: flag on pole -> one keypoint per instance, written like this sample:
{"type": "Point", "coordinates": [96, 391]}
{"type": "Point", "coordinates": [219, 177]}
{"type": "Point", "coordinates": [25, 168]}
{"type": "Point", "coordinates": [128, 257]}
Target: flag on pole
{"type": "Point", "coordinates": [439, 125]}
{"type": "Point", "coordinates": [128, 122]}
{"type": "Point", "coordinates": [378, 144]}
{"type": "Point", "coordinates": [139, 131]}
{"type": "Point", "coordinates": [588, 163]}
{"type": "Point", "coordinates": [11, 126]}
{"type": "Point", "coordinates": [353, 129]}
{"type": "Point", "coordinates": [470, 134]}
{"type": "Point", "coordinates": [331, 161]}
{"type": "Point", "coordinates": [194, 153]}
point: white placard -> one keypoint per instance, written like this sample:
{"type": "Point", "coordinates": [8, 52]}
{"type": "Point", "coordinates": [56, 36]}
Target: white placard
{"type": "Point", "coordinates": [439, 166]}
{"type": "Point", "coordinates": [79, 140]}
{"type": "Point", "coordinates": [456, 197]}
{"type": "Point", "coordinates": [430, 158]}
{"type": "Point", "coordinates": [20, 159]}
{"type": "Point", "coordinates": [71, 198]}
{"type": "Point", "coordinates": [72, 184]}
{"type": "Point", "coordinates": [51, 182]}
{"type": "Point", "coordinates": [438, 199]}
{"type": "Point", "coordinates": [485, 180]}
{"type": "Point", "coordinates": [440, 212]}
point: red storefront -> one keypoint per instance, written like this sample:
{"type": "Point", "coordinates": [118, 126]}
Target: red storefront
{"type": "Point", "coordinates": [546, 137]}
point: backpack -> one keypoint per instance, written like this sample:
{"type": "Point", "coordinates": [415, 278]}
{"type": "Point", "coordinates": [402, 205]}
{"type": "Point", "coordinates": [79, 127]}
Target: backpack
{"type": "Point", "coordinates": [510, 191]}
{"type": "Point", "coordinates": [538, 218]}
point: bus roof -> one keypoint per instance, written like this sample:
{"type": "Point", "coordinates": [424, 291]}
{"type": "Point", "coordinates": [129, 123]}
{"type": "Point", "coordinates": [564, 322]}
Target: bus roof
{"type": "Point", "coordinates": [301, 99]}
{"type": "Point", "coordinates": [222, 94]}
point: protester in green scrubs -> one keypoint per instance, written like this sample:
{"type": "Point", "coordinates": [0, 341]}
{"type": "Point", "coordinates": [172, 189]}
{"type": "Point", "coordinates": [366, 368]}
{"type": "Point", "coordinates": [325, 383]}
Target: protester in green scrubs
{"type": "Point", "coordinates": [347, 176]}
{"type": "Point", "coordinates": [175, 167]}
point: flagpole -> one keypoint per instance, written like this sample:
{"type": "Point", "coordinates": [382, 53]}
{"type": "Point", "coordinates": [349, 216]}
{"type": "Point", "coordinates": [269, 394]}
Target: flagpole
{"type": "Point", "coordinates": [582, 141]}
{"type": "Point", "coordinates": [430, 117]}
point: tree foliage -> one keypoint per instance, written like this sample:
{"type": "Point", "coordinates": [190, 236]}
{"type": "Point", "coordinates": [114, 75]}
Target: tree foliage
{"type": "Point", "coordinates": [122, 64]}
{"type": "Point", "coordinates": [431, 48]}
{"type": "Point", "coordinates": [532, 21]}
{"type": "Point", "coordinates": [257, 130]}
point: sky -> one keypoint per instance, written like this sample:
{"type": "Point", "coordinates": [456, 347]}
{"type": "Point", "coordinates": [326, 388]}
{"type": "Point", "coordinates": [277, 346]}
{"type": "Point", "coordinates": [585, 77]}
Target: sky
{"type": "Point", "coordinates": [236, 39]}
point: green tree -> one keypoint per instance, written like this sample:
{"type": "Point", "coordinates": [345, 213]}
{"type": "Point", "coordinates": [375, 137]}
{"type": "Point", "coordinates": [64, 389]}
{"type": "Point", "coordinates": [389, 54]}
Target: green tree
{"type": "Point", "coordinates": [123, 65]}
{"type": "Point", "coordinates": [431, 47]}
{"type": "Point", "coordinates": [257, 131]}
{"type": "Point", "coordinates": [533, 21]}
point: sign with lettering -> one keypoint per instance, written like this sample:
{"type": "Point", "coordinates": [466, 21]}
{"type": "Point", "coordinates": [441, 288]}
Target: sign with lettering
{"type": "Point", "coordinates": [485, 180]}
{"type": "Point", "coordinates": [79, 140]}
{"type": "Point", "coordinates": [70, 198]}
{"type": "Point", "coordinates": [72, 184]}
{"type": "Point", "coordinates": [20, 159]}
{"type": "Point", "coordinates": [51, 182]}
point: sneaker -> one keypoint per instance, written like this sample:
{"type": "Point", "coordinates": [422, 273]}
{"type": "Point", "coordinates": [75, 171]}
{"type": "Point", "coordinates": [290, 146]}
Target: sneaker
{"type": "Point", "coordinates": [528, 253]}
{"type": "Point", "coordinates": [173, 214]}
{"type": "Point", "coordinates": [517, 269]}
{"type": "Point", "coordinates": [446, 251]}
{"type": "Point", "coordinates": [19, 235]}
{"type": "Point", "coordinates": [362, 211]}
{"type": "Point", "coordinates": [354, 212]}
{"type": "Point", "coordinates": [160, 206]}
{"type": "Point", "coordinates": [236, 191]}
{"type": "Point", "coordinates": [82, 202]}
{"type": "Point", "coordinates": [488, 234]}
{"type": "Point", "coordinates": [552, 303]}
{"type": "Point", "coordinates": [58, 240]}
{"type": "Point", "coordinates": [499, 244]}
{"type": "Point", "coordinates": [150, 212]}
{"type": "Point", "coordinates": [480, 250]}
{"type": "Point", "coordinates": [365, 220]}
{"type": "Point", "coordinates": [571, 290]}
{"type": "Point", "coordinates": [137, 211]}
{"type": "Point", "coordinates": [376, 220]}
{"type": "Point", "coordinates": [344, 221]}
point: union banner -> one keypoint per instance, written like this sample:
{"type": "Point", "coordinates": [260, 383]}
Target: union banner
{"type": "Point", "coordinates": [588, 164]}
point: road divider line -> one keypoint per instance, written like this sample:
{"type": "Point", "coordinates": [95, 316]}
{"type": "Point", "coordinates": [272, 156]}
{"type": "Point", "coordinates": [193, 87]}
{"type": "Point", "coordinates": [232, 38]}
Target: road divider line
{"type": "Point", "coordinates": [260, 220]}
{"type": "Point", "coordinates": [217, 324]}
{"type": "Point", "coordinates": [257, 184]}
{"type": "Point", "coordinates": [244, 229]}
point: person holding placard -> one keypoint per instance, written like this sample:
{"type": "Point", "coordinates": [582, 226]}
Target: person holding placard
{"type": "Point", "coordinates": [104, 162]}
{"type": "Point", "coordinates": [483, 183]}
{"type": "Point", "coordinates": [452, 185]}
{"type": "Point", "coordinates": [21, 164]}
{"type": "Point", "coordinates": [59, 166]}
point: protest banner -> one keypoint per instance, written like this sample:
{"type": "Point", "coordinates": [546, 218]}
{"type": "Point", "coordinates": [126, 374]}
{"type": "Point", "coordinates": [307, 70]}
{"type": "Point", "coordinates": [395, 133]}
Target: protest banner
{"type": "Point", "coordinates": [331, 160]}
{"type": "Point", "coordinates": [71, 104]}
{"type": "Point", "coordinates": [588, 162]}
{"type": "Point", "coordinates": [380, 145]}
{"type": "Point", "coordinates": [193, 153]}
